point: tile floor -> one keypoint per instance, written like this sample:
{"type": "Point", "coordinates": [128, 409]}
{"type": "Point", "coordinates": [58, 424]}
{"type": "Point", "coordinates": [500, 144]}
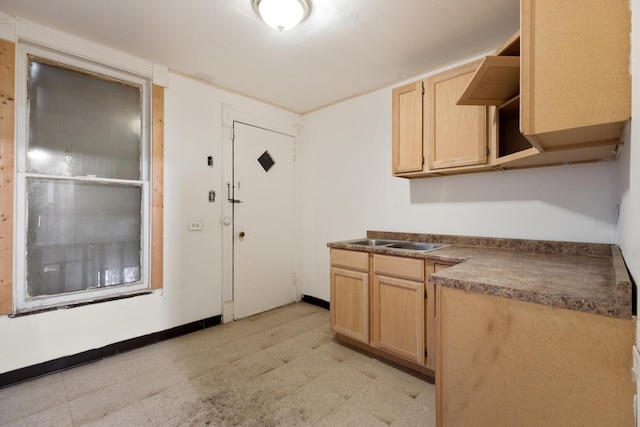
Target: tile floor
{"type": "Point", "coordinates": [279, 368]}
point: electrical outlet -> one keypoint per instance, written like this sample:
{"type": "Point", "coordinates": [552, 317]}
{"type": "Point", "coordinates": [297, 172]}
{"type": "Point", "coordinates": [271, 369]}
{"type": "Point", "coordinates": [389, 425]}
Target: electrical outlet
{"type": "Point", "coordinates": [195, 226]}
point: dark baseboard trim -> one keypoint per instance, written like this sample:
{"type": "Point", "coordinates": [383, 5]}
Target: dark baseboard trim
{"type": "Point", "coordinates": [316, 301]}
{"type": "Point", "coordinates": [34, 371]}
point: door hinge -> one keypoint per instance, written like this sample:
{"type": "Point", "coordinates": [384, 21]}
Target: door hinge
{"type": "Point", "coordinates": [423, 160]}
{"type": "Point", "coordinates": [233, 133]}
{"type": "Point", "coordinates": [487, 151]}
{"type": "Point", "coordinates": [425, 294]}
{"type": "Point", "coordinates": [425, 352]}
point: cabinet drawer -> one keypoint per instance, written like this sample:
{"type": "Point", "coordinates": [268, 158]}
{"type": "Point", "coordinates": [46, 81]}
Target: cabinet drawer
{"type": "Point", "coordinates": [350, 259]}
{"type": "Point", "coordinates": [408, 268]}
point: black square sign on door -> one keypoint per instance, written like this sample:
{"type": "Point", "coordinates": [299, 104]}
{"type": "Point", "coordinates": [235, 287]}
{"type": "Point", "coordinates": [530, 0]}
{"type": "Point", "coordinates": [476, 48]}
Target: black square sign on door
{"type": "Point", "coordinates": [266, 161]}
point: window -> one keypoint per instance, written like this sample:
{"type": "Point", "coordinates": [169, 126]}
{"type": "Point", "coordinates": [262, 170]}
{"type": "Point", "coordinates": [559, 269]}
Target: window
{"type": "Point", "coordinates": [82, 181]}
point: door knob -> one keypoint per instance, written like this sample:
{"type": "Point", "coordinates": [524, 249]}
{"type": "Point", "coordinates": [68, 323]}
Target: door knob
{"type": "Point", "coordinates": [241, 234]}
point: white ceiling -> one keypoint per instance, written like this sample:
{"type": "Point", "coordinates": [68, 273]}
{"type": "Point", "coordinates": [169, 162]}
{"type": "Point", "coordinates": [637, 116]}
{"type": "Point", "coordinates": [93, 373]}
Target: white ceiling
{"type": "Point", "coordinates": [344, 48]}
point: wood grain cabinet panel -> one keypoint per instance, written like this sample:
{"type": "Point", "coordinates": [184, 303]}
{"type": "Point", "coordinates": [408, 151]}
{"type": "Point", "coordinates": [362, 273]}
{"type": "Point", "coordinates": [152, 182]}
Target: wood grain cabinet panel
{"type": "Point", "coordinates": [457, 133]}
{"type": "Point", "coordinates": [407, 128]}
{"type": "Point", "coordinates": [504, 362]}
{"type": "Point", "coordinates": [399, 317]}
{"type": "Point", "coordinates": [430, 313]}
{"type": "Point", "coordinates": [349, 281]}
{"type": "Point", "coordinates": [575, 81]}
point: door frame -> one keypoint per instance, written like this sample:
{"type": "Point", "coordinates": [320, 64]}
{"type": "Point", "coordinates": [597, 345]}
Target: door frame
{"type": "Point", "coordinates": [229, 116]}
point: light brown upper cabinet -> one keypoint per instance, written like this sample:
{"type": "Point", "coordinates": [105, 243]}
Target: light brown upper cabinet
{"type": "Point", "coordinates": [573, 96]}
{"type": "Point", "coordinates": [575, 81]}
{"type": "Point", "coordinates": [407, 128]}
{"type": "Point", "coordinates": [558, 91]}
{"type": "Point", "coordinates": [457, 134]}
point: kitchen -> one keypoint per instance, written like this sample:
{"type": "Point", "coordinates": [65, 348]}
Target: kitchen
{"type": "Point", "coordinates": [348, 189]}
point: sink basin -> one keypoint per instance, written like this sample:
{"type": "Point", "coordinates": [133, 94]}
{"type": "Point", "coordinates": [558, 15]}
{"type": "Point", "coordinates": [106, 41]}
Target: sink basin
{"type": "Point", "coordinates": [416, 246]}
{"type": "Point", "coordinates": [371, 242]}
{"type": "Point", "coordinates": [398, 244]}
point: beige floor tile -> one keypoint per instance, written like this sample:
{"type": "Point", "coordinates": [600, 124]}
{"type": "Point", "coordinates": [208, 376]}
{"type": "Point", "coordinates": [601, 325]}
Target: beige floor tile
{"type": "Point", "coordinates": [382, 402]}
{"type": "Point", "coordinates": [182, 347]}
{"type": "Point", "coordinates": [343, 381]}
{"type": "Point", "coordinates": [278, 383]}
{"type": "Point", "coordinates": [273, 336]}
{"type": "Point", "coordinates": [133, 415]}
{"type": "Point", "coordinates": [236, 405]}
{"type": "Point", "coordinates": [224, 380]}
{"type": "Point", "coordinates": [306, 406]}
{"type": "Point", "coordinates": [404, 381]}
{"type": "Point", "coordinates": [428, 396]}
{"type": "Point", "coordinates": [237, 350]}
{"type": "Point", "coordinates": [142, 360]}
{"type": "Point", "coordinates": [58, 416]}
{"type": "Point", "coordinates": [315, 338]}
{"type": "Point", "coordinates": [155, 381]}
{"type": "Point", "coordinates": [200, 363]}
{"type": "Point", "coordinates": [31, 397]}
{"type": "Point", "coordinates": [100, 403]}
{"type": "Point", "coordinates": [341, 352]}
{"type": "Point", "coordinates": [370, 366]}
{"type": "Point", "coordinates": [91, 377]}
{"type": "Point", "coordinates": [257, 364]}
{"type": "Point", "coordinates": [288, 350]}
{"type": "Point", "coordinates": [417, 414]}
{"type": "Point", "coordinates": [314, 364]}
{"type": "Point", "coordinates": [350, 416]}
{"type": "Point", "coordinates": [178, 405]}
{"type": "Point", "coordinates": [250, 326]}
{"type": "Point", "coordinates": [313, 320]}
{"type": "Point", "coordinates": [30, 386]}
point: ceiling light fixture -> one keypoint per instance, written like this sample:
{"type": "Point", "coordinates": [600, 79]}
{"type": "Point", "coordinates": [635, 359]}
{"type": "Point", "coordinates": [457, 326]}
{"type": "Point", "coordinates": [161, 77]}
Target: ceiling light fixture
{"type": "Point", "coordinates": [282, 14]}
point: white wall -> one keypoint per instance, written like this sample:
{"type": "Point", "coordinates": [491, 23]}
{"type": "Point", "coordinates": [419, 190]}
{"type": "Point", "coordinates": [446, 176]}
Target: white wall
{"type": "Point", "coordinates": [192, 260]}
{"type": "Point", "coordinates": [349, 189]}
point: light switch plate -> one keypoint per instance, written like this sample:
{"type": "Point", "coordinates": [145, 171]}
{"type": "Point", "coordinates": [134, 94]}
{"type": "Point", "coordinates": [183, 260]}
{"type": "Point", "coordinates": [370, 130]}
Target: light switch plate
{"type": "Point", "coordinates": [195, 225]}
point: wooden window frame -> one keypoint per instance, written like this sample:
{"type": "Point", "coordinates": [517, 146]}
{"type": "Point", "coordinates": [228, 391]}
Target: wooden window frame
{"type": "Point", "coordinates": [8, 171]}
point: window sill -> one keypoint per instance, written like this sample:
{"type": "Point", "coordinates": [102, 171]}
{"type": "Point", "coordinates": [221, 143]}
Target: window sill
{"type": "Point", "coordinates": [80, 304]}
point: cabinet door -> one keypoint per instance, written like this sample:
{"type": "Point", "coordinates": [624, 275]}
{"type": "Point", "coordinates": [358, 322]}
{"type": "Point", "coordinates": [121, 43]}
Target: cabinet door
{"type": "Point", "coordinates": [398, 317]}
{"type": "Point", "coordinates": [407, 128]}
{"type": "Point", "coordinates": [350, 303]}
{"type": "Point", "coordinates": [575, 81]}
{"type": "Point", "coordinates": [457, 133]}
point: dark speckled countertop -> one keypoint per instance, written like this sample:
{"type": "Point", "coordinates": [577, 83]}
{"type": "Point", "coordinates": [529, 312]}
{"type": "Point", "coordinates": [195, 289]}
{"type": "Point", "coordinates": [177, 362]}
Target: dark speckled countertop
{"type": "Point", "coordinates": [588, 277]}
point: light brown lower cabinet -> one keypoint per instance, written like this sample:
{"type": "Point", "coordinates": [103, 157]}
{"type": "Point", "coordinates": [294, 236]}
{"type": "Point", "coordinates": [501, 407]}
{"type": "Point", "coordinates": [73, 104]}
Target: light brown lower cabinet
{"type": "Point", "coordinates": [431, 315]}
{"type": "Point", "coordinates": [503, 362]}
{"type": "Point", "coordinates": [384, 304]}
{"type": "Point", "coordinates": [350, 294]}
{"type": "Point", "coordinates": [398, 307]}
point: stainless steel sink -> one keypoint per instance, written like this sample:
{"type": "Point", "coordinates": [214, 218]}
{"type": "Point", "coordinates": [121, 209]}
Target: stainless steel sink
{"type": "Point", "coordinates": [372, 242]}
{"type": "Point", "coordinates": [416, 246]}
{"type": "Point", "coordinates": [398, 244]}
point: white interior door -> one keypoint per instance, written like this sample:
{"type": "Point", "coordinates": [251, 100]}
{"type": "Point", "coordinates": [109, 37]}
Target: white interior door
{"type": "Point", "coordinates": [263, 220]}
